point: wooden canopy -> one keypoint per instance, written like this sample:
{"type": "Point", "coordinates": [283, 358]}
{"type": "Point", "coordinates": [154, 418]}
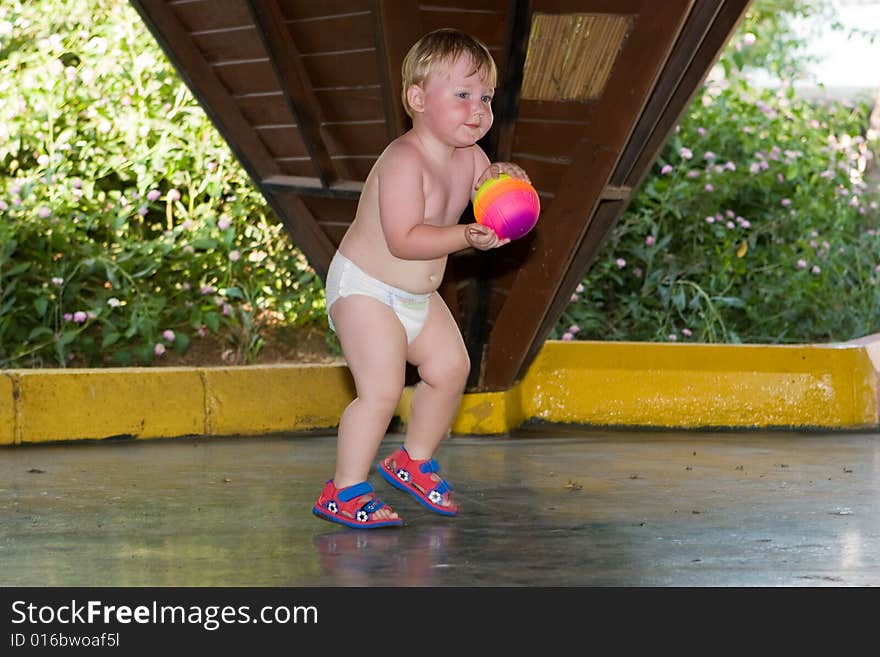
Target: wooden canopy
{"type": "Point", "coordinates": [307, 93]}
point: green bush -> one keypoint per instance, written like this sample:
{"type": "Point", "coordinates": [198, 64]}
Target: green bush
{"type": "Point", "coordinates": [126, 226]}
{"type": "Point", "coordinates": [756, 224]}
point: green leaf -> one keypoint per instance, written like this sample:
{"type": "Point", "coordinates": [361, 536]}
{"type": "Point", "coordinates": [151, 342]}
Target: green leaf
{"type": "Point", "coordinates": [204, 243]}
{"type": "Point", "coordinates": [110, 338]}
{"type": "Point", "coordinates": [41, 305]}
{"type": "Point", "coordinates": [181, 342]}
{"type": "Point", "coordinates": [18, 269]}
{"type": "Point", "coordinates": [212, 321]}
{"type": "Point", "coordinates": [233, 293]}
{"type": "Point", "coordinates": [39, 332]}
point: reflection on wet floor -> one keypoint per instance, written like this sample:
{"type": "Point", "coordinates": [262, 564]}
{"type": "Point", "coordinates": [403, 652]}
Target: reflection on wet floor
{"type": "Point", "coordinates": [549, 506]}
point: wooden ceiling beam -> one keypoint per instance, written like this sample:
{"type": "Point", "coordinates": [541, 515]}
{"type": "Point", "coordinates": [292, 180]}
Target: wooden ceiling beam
{"type": "Point", "coordinates": [725, 22]}
{"type": "Point", "coordinates": [345, 189]}
{"type": "Point", "coordinates": [398, 26]}
{"type": "Point", "coordinates": [505, 106]}
{"type": "Point", "coordinates": [523, 320]}
{"type": "Point", "coordinates": [297, 87]}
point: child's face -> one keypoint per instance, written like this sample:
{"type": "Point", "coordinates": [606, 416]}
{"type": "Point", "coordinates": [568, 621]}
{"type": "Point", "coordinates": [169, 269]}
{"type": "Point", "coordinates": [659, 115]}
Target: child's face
{"type": "Point", "coordinates": [457, 104]}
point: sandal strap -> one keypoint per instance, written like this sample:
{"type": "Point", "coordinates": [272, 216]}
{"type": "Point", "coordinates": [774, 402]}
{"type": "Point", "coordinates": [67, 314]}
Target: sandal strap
{"type": "Point", "coordinates": [373, 505]}
{"type": "Point", "coordinates": [356, 490]}
{"type": "Point", "coordinates": [425, 467]}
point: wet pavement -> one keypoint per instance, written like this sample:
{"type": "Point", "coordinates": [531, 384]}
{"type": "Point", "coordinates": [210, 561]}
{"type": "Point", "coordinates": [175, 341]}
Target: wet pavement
{"type": "Point", "coordinates": [547, 506]}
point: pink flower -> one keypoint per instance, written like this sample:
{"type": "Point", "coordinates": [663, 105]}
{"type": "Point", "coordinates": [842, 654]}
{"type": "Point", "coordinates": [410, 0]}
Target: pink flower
{"type": "Point", "coordinates": [785, 202]}
{"type": "Point", "coordinates": [580, 288]}
{"type": "Point", "coordinates": [686, 153]}
{"type": "Point", "coordinates": [173, 195]}
{"type": "Point", "coordinates": [666, 169]}
{"type": "Point", "coordinates": [801, 263]}
{"type": "Point", "coordinates": [672, 337]}
{"type": "Point", "coordinates": [44, 212]}
{"type": "Point", "coordinates": [620, 262]}
{"type": "Point", "coordinates": [153, 195]}
{"type": "Point", "coordinates": [567, 337]}
{"type": "Point", "coordinates": [637, 272]}
{"type": "Point", "coordinates": [224, 222]}
{"type": "Point", "coordinates": [710, 219]}
{"type": "Point", "coordinates": [709, 187]}
{"type": "Point", "coordinates": [649, 240]}
{"type": "Point", "coordinates": [79, 317]}
{"type": "Point", "coordinates": [202, 331]}
{"type": "Point", "coordinates": [159, 349]}
{"type": "Point", "coordinates": [816, 269]}
{"type": "Point", "coordinates": [687, 332]}
{"type": "Point", "coordinates": [168, 334]}
{"type": "Point", "coordinates": [234, 255]}
{"type": "Point", "coordinates": [574, 328]}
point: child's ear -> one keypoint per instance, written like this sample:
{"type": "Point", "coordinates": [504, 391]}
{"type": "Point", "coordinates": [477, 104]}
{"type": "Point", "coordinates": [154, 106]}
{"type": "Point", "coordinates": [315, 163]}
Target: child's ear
{"type": "Point", "coordinates": [415, 96]}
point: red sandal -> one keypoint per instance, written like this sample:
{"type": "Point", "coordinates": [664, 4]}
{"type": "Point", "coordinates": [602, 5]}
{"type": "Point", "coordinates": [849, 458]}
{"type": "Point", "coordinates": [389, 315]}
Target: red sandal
{"type": "Point", "coordinates": [414, 476]}
{"type": "Point", "coordinates": [348, 506]}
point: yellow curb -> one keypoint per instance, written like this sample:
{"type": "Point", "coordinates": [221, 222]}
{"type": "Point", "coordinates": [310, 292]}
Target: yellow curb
{"type": "Point", "coordinates": [687, 386]}
{"type": "Point", "coordinates": [7, 410]}
{"type": "Point", "coordinates": [258, 400]}
{"type": "Point", "coordinates": [637, 385]}
{"type": "Point", "coordinates": [99, 403]}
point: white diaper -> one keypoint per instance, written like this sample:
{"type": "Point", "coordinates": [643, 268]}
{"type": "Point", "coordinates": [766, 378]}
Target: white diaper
{"type": "Point", "coordinates": [345, 278]}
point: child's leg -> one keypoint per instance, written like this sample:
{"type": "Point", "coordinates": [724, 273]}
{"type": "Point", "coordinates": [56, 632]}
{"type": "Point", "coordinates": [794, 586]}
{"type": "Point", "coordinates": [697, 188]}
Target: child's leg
{"type": "Point", "coordinates": [374, 344]}
{"type": "Point", "coordinates": [443, 364]}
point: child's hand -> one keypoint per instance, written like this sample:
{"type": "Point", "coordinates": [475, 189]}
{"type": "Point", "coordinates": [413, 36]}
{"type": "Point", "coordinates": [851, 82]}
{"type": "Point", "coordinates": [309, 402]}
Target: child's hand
{"type": "Point", "coordinates": [497, 168]}
{"type": "Point", "coordinates": [482, 237]}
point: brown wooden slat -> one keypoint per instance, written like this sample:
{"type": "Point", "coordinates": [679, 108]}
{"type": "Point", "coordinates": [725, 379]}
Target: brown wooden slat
{"type": "Point", "coordinates": [398, 26]}
{"type": "Point", "coordinates": [336, 33]}
{"type": "Point", "coordinates": [265, 109]}
{"type": "Point", "coordinates": [297, 86]}
{"type": "Point", "coordinates": [297, 167]}
{"type": "Point", "coordinates": [283, 141]}
{"type": "Point", "coordinates": [344, 69]}
{"type": "Point", "coordinates": [458, 6]}
{"type": "Point", "coordinates": [226, 45]}
{"type": "Point", "coordinates": [488, 27]}
{"type": "Point", "coordinates": [311, 186]}
{"type": "Point", "coordinates": [247, 77]}
{"type": "Point", "coordinates": [203, 15]}
{"type": "Point", "coordinates": [546, 139]}
{"type": "Point", "coordinates": [355, 138]}
{"type": "Point", "coordinates": [358, 166]}
{"type": "Point", "coordinates": [309, 9]}
{"type": "Point", "coordinates": [564, 224]}
{"type": "Point", "coordinates": [360, 104]}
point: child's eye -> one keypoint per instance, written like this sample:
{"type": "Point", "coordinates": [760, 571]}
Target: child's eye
{"type": "Point", "coordinates": [462, 94]}
{"type": "Point", "coordinates": [486, 99]}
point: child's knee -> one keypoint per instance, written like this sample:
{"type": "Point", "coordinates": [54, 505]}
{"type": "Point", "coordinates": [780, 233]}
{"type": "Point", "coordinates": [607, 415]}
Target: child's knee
{"type": "Point", "coordinates": [382, 398]}
{"type": "Point", "coordinates": [451, 371]}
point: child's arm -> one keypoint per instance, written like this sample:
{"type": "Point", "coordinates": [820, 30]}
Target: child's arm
{"type": "Point", "coordinates": [402, 214]}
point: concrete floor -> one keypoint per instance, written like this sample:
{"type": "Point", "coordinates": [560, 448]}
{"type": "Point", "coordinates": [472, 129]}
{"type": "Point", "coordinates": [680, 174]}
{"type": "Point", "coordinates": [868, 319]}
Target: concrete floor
{"type": "Point", "coordinates": [548, 506]}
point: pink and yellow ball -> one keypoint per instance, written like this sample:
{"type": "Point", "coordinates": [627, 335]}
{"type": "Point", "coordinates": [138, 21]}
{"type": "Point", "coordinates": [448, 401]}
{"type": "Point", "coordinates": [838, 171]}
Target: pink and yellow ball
{"type": "Point", "coordinates": [510, 206]}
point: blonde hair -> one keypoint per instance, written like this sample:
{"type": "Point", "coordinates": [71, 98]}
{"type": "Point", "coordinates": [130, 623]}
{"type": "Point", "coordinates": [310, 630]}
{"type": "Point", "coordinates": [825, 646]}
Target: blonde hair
{"type": "Point", "coordinates": [440, 47]}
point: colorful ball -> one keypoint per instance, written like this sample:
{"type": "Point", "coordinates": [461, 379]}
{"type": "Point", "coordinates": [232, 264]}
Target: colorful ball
{"type": "Point", "coordinates": [510, 206]}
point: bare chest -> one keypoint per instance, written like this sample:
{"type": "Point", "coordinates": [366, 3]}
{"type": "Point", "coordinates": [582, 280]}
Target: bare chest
{"type": "Point", "coordinates": [448, 191]}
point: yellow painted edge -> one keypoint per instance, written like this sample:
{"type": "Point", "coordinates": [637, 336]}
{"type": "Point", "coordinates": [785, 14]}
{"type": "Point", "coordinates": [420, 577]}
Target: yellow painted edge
{"type": "Point", "coordinates": [7, 409]}
{"type": "Point", "coordinates": [704, 386]}
{"type": "Point", "coordinates": [650, 385]}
